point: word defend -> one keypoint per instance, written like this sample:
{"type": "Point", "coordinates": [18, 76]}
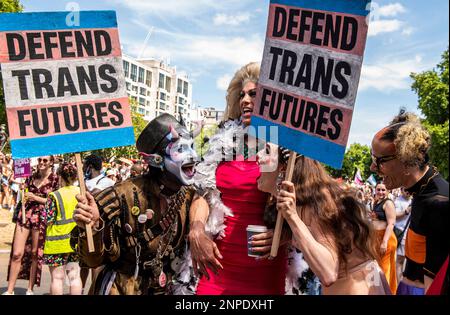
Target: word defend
{"type": "Point", "coordinates": [64, 83]}
{"type": "Point", "coordinates": [310, 74]}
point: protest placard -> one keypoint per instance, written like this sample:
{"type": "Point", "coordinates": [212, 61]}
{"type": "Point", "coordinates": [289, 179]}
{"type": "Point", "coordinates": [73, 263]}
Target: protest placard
{"type": "Point", "coordinates": [22, 168]}
{"type": "Point", "coordinates": [309, 79]}
{"type": "Point", "coordinates": [63, 82]}
{"type": "Point", "coordinates": [64, 85]}
{"type": "Point", "coordinates": [310, 73]}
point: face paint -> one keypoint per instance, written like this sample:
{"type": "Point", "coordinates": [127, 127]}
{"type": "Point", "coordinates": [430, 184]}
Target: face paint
{"type": "Point", "coordinates": [180, 159]}
{"type": "Point", "coordinates": [268, 165]}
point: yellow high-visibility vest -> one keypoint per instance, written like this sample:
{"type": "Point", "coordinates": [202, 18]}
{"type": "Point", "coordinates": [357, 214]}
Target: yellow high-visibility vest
{"type": "Point", "coordinates": [57, 240]}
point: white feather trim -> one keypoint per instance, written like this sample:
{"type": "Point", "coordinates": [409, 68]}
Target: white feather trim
{"type": "Point", "coordinates": [223, 146]}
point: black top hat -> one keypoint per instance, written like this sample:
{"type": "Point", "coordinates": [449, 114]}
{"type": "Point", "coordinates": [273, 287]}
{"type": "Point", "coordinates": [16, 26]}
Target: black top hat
{"type": "Point", "coordinates": [154, 138]}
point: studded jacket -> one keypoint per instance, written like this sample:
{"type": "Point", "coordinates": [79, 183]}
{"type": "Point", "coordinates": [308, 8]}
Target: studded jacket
{"type": "Point", "coordinates": [138, 240]}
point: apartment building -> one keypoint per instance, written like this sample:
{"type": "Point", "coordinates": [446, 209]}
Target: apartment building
{"type": "Point", "coordinates": [157, 88]}
{"type": "Point", "coordinates": [209, 115]}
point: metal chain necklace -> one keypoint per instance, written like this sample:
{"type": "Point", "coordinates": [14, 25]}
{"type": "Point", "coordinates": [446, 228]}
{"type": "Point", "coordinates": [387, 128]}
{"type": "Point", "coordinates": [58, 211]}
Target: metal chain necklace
{"type": "Point", "coordinates": [156, 264]}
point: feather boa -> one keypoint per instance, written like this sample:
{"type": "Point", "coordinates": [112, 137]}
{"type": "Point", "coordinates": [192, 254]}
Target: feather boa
{"type": "Point", "coordinates": [224, 146]}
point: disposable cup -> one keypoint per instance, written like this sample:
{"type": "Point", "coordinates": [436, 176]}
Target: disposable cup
{"type": "Point", "coordinates": [253, 230]}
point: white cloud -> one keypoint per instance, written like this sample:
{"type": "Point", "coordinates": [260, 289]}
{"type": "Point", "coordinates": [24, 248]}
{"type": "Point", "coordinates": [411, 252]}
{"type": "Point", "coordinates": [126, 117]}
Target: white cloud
{"type": "Point", "coordinates": [378, 25]}
{"type": "Point", "coordinates": [223, 82]}
{"type": "Point", "coordinates": [233, 20]}
{"type": "Point", "coordinates": [387, 75]}
{"type": "Point", "coordinates": [408, 31]}
{"type": "Point", "coordinates": [175, 8]}
{"type": "Point", "coordinates": [384, 26]}
{"type": "Point", "coordinates": [392, 9]}
{"type": "Point", "coordinates": [210, 50]}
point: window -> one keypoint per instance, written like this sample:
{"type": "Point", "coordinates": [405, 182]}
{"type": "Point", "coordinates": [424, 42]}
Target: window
{"type": "Point", "coordinates": [180, 86]}
{"type": "Point", "coordinates": [128, 85]}
{"type": "Point", "coordinates": [162, 96]}
{"type": "Point", "coordinates": [134, 88]}
{"type": "Point", "coordinates": [141, 75]}
{"type": "Point", "coordinates": [161, 81]}
{"type": "Point", "coordinates": [143, 91]}
{"type": "Point", "coordinates": [148, 79]}
{"type": "Point", "coordinates": [133, 72]}
{"type": "Point", "coordinates": [181, 101]}
{"type": "Point", "coordinates": [168, 83]}
{"type": "Point", "coordinates": [141, 111]}
{"type": "Point", "coordinates": [141, 101]}
{"type": "Point", "coordinates": [162, 106]}
{"type": "Point", "coordinates": [126, 68]}
{"type": "Point", "coordinates": [185, 89]}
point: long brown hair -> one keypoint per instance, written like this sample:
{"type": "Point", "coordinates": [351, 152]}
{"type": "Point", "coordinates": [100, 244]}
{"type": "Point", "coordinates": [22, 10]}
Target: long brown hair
{"type": "Point", "coordinates": [335, 208]}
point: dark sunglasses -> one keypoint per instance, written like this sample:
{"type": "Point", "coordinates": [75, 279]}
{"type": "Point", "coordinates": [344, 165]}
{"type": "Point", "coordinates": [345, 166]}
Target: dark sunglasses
{"type": "Point", "coordinates": [251, 93]}
{"type": "Point", "coordinates": [42, 160]}
{"type": "Point", "coordinates": [382, 159]}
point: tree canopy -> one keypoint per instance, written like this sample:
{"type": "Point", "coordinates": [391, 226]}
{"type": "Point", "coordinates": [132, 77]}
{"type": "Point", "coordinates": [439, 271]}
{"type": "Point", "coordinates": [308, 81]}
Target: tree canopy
{"type": "Point", "coordinates": [432, 89]}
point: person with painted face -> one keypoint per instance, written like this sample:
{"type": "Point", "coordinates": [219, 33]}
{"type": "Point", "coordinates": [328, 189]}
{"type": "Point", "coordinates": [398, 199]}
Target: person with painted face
{"type": "Point", "coordinates": [329, 226]}
{"type": "Point", "coordinates": [140, 225]}
{"type": "Point", "coordinates": [400, 157]}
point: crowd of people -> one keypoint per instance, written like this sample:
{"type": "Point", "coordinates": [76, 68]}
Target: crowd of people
{"type": "Point", "coordinates": [171, 224]}
{"type": "Point", "coordinates": [48, 205]}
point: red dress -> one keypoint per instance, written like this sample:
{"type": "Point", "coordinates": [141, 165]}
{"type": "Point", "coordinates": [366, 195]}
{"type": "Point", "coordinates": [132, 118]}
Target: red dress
{"type": "Point", "coordinates": [243, 275]}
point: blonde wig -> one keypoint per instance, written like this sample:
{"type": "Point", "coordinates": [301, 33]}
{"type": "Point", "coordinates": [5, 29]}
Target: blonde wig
{"type": "Point", "coordinates": [248, 73]}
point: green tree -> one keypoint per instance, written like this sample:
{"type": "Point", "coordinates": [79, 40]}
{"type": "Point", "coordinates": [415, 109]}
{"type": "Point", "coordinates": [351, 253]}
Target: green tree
{"type": "Point", "coordinates": [7, 6]}
{"type": "Point", "coordinates": [201, 141]}
{"type": "Point", "coordinates": [357, 156]}
{"type": "Point", "coordinates": [10, 6]}
{"type": "Point", "coordinates": [432, 90]}
{"type": "Point", "coordinates": [130, 151]}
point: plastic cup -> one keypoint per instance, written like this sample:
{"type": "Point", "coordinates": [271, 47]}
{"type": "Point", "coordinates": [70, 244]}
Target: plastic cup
{"type": "Point", "coordinates": [253, 230]}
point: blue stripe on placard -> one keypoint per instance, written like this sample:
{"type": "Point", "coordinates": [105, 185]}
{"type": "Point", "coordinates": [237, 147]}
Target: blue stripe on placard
{"type": "Point", "coordinates": [356, 7]}
{"type": "Point", "coordinates": [57, 20]}
{"type": "Point", "coordinates": [72, 143]}
{"type": "Point", "coordinates": [313, 147]}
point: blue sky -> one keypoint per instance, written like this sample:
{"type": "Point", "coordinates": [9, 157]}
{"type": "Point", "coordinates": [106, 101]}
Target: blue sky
{"type": "Point", "coordinates": [210, 40]}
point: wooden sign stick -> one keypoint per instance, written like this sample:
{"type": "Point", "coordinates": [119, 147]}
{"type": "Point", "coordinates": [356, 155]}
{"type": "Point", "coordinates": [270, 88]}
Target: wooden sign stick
{"type": "Point", "coordinates": [88, 227]}
{"type": "Point", "coordinates": [22, 194]}
{"type": "Point", "coordinates": [279, 224]}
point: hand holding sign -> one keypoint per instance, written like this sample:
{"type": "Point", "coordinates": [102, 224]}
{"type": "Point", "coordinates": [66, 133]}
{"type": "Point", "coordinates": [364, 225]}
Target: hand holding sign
{"type": "Point", "coordinates": [64, 85]}
{"type": "Point", "coordinates": [309, 77]}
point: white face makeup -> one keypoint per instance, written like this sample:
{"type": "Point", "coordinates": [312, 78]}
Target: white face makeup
{"type": "Point", "coordinates": [269, 167]}
{"type": "Point", "coordinates": [180, 160]}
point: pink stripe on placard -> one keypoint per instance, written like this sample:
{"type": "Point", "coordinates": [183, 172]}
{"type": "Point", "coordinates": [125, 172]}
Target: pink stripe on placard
{"type": "Point", "coordinates": [325, 126]}
{"type": "Point", "coordinates": [361, 36]}
{"type": "Point", "coordinates": [97, 117]}
{"type": "Point", "coordinates": [56, 51]}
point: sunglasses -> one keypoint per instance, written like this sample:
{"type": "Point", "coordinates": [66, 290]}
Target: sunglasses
{"type": "Point", "coordinates": [251, 93]}
{"type": "Point", "coordinates": [378, 161]}
{"type": "Point", "coordinates": [42, 160]}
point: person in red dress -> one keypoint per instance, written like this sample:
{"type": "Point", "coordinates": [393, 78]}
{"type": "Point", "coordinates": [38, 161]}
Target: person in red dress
{"type": "Point", "coordinates": [228, 200]}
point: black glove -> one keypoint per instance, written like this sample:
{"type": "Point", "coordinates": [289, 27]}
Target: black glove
{"type": "Point", "coordinates": [283, 154]}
